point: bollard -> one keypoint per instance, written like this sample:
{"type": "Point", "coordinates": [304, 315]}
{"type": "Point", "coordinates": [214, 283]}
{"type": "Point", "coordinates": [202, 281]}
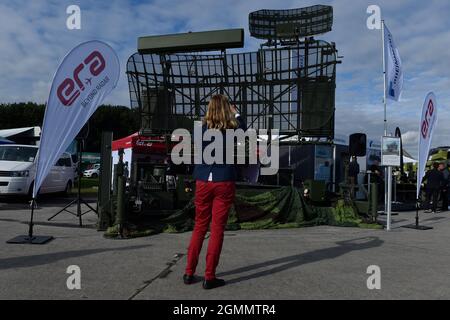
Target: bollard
{"type": "Point", "coordinates": [121, 183]}
{"type": "Point", "coordinates": [115, 181]}
{"type": "Point", "coordinates": [373, 196]}
{"type": "Point", "coordinates": [120, 216]}
{"type": "Point", "coordinates": [105, 214]}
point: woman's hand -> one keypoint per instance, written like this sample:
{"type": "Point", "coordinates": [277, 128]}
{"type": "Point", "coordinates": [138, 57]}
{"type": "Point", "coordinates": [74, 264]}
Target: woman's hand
{"type": "Point", "coordinates": [233, 108]}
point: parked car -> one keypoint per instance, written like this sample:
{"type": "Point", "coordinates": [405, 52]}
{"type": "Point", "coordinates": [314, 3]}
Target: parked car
{"type": "Point", "coordinates": [94, 172]}
{"type": "Point", "coordinates": [18, 169]}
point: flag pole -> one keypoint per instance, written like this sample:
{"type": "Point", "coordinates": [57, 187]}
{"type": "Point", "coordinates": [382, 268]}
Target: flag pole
{"type": "Point", "coordinates": [31, 222]}
{"type": "Point", "coordinates": [388, 171]}
{"type": "Point", "coordinates": [384, 77]}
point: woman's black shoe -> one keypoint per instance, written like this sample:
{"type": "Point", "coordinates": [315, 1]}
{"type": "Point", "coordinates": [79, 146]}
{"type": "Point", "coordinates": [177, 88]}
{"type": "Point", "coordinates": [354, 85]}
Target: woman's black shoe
{"type": "Point", "coordinates": [211, 284]}
{"type": "Point", "coordinates": [188, 279]}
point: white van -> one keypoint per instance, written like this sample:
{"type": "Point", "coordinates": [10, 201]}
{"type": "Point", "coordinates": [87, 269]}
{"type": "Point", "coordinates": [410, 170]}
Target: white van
{"type": "Point", "coordinates": [18, 168]}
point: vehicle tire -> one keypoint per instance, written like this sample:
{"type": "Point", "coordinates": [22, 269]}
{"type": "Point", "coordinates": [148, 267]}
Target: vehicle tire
{"type": "Point", "coordinates": [68, 188]}
{"type": "Point", "coordinates": [94, 176]}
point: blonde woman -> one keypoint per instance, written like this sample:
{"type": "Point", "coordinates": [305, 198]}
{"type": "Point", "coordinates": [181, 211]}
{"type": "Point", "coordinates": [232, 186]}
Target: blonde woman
{"type": "Point", "coordinates": [214, 195]}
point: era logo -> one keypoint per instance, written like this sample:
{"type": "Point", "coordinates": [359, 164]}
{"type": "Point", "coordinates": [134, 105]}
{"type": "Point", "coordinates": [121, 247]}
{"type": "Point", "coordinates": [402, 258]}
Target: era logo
{"type": "Point", "coordinates": [74, 280]}
{"type": "Point", "coordinates": [426, 122]}
{"type": "Point", "coordinates": [374, 281]}
{"type": "Point", "coordinates": [74, 20]}
{"type": "Point", "coordinates": [69, 90]}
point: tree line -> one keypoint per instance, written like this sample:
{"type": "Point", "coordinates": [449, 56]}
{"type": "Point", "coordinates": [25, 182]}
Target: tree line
{"type": "Point", "coordinates": [122, 121]}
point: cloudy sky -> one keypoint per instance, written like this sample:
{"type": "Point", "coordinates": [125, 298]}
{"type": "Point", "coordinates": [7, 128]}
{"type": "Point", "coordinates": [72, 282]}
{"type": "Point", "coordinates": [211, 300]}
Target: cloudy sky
{"type": "Point", "coordinates": [34, 39]}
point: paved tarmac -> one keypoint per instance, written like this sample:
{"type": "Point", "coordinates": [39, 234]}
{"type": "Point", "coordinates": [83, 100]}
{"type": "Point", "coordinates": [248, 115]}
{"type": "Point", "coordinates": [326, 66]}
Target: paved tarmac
{"type": "Point", "coordinates": [312, 263]}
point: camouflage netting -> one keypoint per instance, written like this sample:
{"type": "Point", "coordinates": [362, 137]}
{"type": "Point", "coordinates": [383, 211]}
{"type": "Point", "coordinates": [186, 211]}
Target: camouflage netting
{"type": "Point", "coordinates": [255, 209]}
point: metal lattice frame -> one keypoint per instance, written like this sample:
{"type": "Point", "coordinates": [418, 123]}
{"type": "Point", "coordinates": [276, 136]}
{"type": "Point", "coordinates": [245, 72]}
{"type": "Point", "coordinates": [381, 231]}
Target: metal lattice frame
{"type": "Point", "coordinates": [290, 24]}
{"type": "Point", "coordinates": [290, 89]}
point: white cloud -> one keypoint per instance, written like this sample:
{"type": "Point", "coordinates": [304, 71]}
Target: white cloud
{"type": "Point", "coordinates": [410, 138]}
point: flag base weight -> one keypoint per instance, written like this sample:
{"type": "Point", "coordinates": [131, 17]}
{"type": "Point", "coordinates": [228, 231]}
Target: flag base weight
{"type": "Point", "coordinates": [30, 240]}
{"type": "Point", "coordinates": [414, 226]}
{"type": "Point", "coordinates": [385, 214]}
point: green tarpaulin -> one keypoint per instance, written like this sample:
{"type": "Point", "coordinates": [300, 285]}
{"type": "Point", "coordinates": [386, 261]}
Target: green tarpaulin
{"type": "Point", "coordinates": [256, 209]}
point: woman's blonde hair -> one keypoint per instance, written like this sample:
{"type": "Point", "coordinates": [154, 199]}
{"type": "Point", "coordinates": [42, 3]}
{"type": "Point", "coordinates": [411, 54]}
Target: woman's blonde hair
{"type": "Point", "coordinates": [219, 115]}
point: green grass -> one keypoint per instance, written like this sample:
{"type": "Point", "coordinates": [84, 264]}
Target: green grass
{"type": "Point", "coordinates": [88, 186]}
{"type": "Point", "coordinates": [89, 182]}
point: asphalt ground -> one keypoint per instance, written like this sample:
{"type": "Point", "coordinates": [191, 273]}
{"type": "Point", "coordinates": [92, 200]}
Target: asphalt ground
{"type": "Point", "coordinates": [311, 263]}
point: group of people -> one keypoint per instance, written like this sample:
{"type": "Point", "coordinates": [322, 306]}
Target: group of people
{"type": "Point", "coordinates": [437, 182]}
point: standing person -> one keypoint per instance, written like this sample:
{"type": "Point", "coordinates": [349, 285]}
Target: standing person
{"type": "Point", "coordinates": [445, 185]}
{"type": "Point", "coordinates": [214, 195]}
{"type": "Point", "coordinates": [434, 179]}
